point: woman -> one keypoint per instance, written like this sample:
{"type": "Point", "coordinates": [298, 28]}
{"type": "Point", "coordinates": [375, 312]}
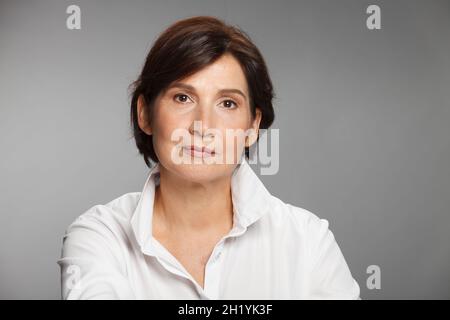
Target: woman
{"type": "Point", "coordinates": [202, 227]}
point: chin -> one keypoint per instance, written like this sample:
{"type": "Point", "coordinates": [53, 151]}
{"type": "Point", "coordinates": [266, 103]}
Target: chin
{"type": "Point", "coordinates": [202, 173]}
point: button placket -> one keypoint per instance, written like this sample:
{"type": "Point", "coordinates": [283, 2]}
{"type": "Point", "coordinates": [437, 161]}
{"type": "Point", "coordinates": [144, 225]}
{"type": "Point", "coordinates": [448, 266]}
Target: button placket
{"type": "Point", "coordinates": [213, 272]}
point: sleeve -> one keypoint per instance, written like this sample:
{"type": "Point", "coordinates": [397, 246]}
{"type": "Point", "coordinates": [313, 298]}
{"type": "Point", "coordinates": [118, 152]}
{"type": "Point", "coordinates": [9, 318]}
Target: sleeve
{"type": "Point", "coordinates": [330, 276]}
{"type": "Point", "coordinates": [90, 263]}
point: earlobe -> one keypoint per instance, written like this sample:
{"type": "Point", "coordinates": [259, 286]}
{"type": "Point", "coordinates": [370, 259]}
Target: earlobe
{"type": "Point", "coordinates": [143, 120]}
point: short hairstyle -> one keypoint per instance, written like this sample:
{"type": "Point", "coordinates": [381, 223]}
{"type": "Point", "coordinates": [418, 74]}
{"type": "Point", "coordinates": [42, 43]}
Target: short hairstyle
{"type": "Point", "coordinates": [186, 47]}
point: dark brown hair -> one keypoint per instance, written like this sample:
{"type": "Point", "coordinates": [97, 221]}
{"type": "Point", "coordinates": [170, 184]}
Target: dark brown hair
{"type": "Point", "coordinates": [186, 47]}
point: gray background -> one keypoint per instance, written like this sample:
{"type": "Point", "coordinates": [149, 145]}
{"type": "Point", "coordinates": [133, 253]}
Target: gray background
{"type": "Point", "coordinates": [363, 118]}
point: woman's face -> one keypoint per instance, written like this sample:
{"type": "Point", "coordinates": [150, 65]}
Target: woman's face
{"type": "Point", "coordinates": [201, 124]}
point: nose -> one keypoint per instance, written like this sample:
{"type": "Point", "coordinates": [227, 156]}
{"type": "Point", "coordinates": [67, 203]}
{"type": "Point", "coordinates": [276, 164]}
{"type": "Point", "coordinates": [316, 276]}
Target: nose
{"type": "Point", "coordinates": [202, 121]}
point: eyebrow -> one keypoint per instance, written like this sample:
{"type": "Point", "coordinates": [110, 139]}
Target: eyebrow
{"type": "Point", "coordinates": [192, 89]}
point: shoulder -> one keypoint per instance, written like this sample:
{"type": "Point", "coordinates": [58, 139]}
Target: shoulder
{"type": "Point", "coordinates": [118, 211]}
{"type": "Point", "coordinates": [94, 250]}
{"type": "Point", "coordinates": [298, 225]}
{"type": "Point", "coordinates": [299, 219]}
{"type": "Point", "coordinates": [101, 226]}
{"type": "Point", "coordinates": [303, 231]}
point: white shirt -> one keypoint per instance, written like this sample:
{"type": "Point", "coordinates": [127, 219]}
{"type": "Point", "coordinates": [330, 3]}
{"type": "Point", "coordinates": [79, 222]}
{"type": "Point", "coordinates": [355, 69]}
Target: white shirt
{"type": "Point", "coordinates": [274, 251]}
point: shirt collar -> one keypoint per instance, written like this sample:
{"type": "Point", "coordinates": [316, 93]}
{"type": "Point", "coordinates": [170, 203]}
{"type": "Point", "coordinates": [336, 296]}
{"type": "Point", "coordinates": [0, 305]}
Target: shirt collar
{"type": "Point", "coordinates": [249, 195]}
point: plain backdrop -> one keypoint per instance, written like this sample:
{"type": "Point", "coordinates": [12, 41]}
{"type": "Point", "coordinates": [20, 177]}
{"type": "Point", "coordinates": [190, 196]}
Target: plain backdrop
{"type": "Point", "coordinates": [363, 118]}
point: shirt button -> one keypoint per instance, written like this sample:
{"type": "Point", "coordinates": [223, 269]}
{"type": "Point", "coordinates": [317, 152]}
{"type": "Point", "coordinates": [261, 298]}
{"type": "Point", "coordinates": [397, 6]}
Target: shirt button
{"type": "Point", "coordinates": [216, 257]}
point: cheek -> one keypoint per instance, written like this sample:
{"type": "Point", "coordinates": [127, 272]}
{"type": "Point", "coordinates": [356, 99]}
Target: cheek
{"type": "Point", "coordinates": [237, 119]}
{"type": "Point", "coordinates": [166, 123]}
{"type": "Point", "coordinates": [234, 131]}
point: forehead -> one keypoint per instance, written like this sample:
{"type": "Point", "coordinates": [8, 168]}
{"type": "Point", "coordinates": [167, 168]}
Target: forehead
{"type": "Point", "coordinates": [225, 72]}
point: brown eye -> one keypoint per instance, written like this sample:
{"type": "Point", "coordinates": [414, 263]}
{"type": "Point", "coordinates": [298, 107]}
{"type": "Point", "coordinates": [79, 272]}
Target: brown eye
{"type": "Point", "coordinates": [229, 104]}
{"type": "Point", "coordinates": [183, 98]}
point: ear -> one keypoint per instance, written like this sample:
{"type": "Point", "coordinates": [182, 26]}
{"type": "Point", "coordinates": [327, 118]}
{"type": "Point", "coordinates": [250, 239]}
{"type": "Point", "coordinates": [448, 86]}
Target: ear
{"type": "Point", "coordinates": [143, 119]}
{"type": "Point", "coordinates": [251, 139]}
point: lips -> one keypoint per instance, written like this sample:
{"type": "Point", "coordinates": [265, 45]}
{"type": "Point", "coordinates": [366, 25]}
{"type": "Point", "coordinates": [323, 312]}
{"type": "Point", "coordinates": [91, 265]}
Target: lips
{"type": "Point", "coordinates": [196, 150]}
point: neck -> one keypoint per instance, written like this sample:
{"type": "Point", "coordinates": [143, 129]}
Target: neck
{"type": "Point", "coordinates": [184, 205]}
